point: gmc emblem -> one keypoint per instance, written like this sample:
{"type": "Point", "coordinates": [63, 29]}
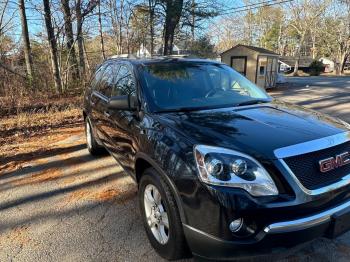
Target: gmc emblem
{"type": "Point", "coordinates": [334, 162]}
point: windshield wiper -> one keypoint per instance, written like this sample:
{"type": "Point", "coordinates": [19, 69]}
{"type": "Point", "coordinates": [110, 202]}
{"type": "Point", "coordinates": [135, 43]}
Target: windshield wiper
{"type": "Point", "coordinates": [253, 102]}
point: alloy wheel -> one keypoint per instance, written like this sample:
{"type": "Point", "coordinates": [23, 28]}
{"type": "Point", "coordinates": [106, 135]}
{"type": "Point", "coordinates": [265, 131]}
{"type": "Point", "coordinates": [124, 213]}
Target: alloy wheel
{"type": "Point", "coordinates": [156, 215]}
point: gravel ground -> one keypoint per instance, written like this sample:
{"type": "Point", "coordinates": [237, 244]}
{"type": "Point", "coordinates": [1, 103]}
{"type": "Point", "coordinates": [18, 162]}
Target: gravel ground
{"type": "Point", "coordinates": [70, 206]}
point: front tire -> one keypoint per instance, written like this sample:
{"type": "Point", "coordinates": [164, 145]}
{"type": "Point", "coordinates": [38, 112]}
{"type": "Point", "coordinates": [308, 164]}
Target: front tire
{"type": "Point", "coordinates": [92, 145]}
{"type": "Point", "coordinates": [161, 216]}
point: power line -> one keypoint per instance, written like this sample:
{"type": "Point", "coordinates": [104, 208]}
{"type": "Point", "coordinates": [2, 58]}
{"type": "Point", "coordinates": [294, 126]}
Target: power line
{"type": "Point", "coordinates": [253, 6]}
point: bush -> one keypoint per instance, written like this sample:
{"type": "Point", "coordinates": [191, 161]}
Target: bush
{"type": "Point", "coordinates": [316, 68]}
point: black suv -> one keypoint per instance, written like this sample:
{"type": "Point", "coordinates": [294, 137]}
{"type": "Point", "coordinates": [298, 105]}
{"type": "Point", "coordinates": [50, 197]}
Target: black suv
{"type": "Point", "coordinates": [223, 170]}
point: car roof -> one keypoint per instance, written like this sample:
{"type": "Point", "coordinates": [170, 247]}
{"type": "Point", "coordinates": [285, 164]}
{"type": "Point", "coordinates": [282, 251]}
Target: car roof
{"type": "Point", "coordinates": [160, 60]}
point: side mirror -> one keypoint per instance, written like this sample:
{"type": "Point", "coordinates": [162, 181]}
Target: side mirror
{"type": "Point", "coordinates": [127, 103]}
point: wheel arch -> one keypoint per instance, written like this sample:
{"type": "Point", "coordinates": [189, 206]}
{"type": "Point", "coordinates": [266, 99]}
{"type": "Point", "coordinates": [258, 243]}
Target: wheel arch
{"type": "Point", "coordinates": [143, 161]}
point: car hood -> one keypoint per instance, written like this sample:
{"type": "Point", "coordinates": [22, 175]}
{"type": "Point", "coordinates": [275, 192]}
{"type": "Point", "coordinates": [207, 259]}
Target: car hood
{"type": "Point", "coordinates": [257, 130]}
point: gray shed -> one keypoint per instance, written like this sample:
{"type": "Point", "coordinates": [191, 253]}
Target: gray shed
{"type": "Point", "coordinates": [257, 64]}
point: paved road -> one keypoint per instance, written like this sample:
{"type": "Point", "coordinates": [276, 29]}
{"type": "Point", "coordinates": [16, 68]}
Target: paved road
{"type": "Point", "coordinates": [330, 95]}
{"type": "Point", "coordinates": [69, 206]}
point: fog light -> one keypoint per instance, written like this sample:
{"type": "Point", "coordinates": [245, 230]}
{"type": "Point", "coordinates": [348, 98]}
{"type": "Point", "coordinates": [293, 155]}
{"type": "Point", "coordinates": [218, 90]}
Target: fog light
{"type": "Point", "coordinates": [236, 225]}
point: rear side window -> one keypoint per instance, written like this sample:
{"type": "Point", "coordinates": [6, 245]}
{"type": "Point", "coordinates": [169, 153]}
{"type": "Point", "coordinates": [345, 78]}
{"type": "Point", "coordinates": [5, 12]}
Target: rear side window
{"type": "Point", "coordinates": [97, 77]}
{"type": "Point", "coordinates": [104, 87]}
{"type": "Point", "coordinates": [123, 82]}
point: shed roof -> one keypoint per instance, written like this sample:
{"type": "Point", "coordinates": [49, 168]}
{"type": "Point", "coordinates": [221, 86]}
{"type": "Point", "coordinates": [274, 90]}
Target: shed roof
{"type": "Point", "coordinates": [254, 48]}
{"type": "Point", "coordinates": [304, 61]}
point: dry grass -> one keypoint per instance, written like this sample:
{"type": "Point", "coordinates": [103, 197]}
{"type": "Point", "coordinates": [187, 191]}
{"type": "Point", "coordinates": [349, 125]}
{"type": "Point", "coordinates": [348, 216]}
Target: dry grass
{"type": "Point", "coordinates": [31, 122]}
{"type": "Point", "coordinates": [19, 149]}
{"type": "Point", "coordinates": [25, 125]}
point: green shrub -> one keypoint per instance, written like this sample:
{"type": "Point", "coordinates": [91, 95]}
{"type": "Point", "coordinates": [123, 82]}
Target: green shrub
{"type": "Point", "coordinates": [316, 68]}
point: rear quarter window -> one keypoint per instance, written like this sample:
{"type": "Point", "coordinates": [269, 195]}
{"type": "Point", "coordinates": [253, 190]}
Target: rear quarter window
{"type": "Point", "coordinates": [96, 78]}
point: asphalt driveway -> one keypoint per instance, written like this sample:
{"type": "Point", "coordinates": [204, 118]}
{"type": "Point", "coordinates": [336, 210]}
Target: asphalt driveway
{"type": "Point", "coordinates": [68, 206]}
{"type": "Point", "coordinates": [330, 95]}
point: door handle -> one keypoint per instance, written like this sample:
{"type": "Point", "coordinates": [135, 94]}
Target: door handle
{"type": "Point", "coordinates": [106, 114]}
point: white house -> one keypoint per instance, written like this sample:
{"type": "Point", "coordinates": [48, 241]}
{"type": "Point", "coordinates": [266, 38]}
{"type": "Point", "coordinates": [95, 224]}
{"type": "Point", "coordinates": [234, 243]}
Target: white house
{"type": "Point", "coordinates": [143, 52]}
{"type": "Point", "coordinates": [328, 63]}
{"type": "Point", "coordinates": [284, 67]}
{"type": "Point", "coordinates": [178, 49]}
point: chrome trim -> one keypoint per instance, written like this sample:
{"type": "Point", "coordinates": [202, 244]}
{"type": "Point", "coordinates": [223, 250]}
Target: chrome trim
{"type": "Point", "coordinates": [306, 222]}
{"type": "Point", "coordinates": [235, 181]}
{"type": "Point", "coordinates": [312, 146]}
{"type": "Point", "coordinates": [343, 182]}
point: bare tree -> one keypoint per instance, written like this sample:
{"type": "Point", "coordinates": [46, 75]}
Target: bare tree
{"type": "Point", "coordinates": [81, 13]}
{"type": "Point", "coordinates": [26, 42]}
{"type": "Point", "coordinates": [53, 46]}
{"type": "Point", "coordinates": [116, 14]}
{"type": "Point", "coordinates": [335, 34]}
{"type": "Point", "coordinates": [121, 26]}
{"type": "Point", "coordinates": [344, 38]}
{"type": "Point", "coordinates": [3, 23]}
{"type": "Point", "coordinates": [80, 36]}
{"type": "Point", "coordinates": [173, 10]}
{"type": "Point", "coordinates": [100, 29]}
{"type": "Point", "coordinates": [151, 9]}
{"type": "Point", "coordinates": [68, 28]}
{"type": "Point", "coordinates": [305, 13]}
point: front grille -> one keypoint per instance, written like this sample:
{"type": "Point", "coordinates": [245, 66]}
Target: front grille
{"type": "Point", "coordinates": [306, 167]}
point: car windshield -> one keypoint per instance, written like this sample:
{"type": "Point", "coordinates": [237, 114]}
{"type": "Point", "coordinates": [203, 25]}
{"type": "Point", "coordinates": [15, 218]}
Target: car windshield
{"type": "Point", "coordinates": [177, 86]}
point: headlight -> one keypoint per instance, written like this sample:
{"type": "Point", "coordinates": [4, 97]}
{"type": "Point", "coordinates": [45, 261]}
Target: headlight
{"type": "Point", "coordinates": [225, 167]}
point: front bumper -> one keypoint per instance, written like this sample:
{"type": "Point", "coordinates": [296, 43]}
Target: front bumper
{"type": "Point", "coordinates": [274, 239]}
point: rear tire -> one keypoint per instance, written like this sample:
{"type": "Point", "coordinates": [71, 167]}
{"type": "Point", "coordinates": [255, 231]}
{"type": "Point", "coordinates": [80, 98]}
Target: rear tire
{"type": "Point", "coordinates": [162, 220]}
{"type": "Point", "coordinates": [92, 145]}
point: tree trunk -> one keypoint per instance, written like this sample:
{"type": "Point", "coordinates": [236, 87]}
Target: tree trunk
{"type": "Point", "coordinates": [121, 27]}
{"type": "Point", "coordinates": [172, 17]}
{"type": "Point", "coordinates": [68, 28]}
{"type": "Point", "coordinates": [86, 57]}
{"type": "Point", "coordinates": [313, 39]}
{"type": "Point", "coordinates": [53, 46]}
{"type": "Point", "coordinates": [298, 53]}
{"type": "Point", "coordinates": [151, 23]}
{"type": "Point", "coordinates": [80, 37]}
{"type": "Point", "coordinates": [101, 32]}
{"type": "Point", "coordinates": [26, 42]}
{"type": "Point", "coordinates": [279, 41]}
{"type": "Point", "coordinates": [296, 66]}
{"type": "Point", "coordinates": [193, 7]}
{"type": "Point", "coordinates": [342, 63]}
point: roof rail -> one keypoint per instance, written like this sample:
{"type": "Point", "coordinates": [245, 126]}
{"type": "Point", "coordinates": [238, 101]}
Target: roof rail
{"type": "Point", "coordinates": [126, 56]}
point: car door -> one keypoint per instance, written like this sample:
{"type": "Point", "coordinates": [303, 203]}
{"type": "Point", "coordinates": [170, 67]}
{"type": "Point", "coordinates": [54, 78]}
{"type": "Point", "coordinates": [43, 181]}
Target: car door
{"type": "Point", "coordinates": [122, 123]}
{"type": "Point", "coordinates": [99, 101]}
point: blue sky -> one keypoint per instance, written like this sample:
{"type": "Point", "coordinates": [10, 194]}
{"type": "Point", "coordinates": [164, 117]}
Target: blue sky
{"type": "Point", "coordinates": [35, 19]}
